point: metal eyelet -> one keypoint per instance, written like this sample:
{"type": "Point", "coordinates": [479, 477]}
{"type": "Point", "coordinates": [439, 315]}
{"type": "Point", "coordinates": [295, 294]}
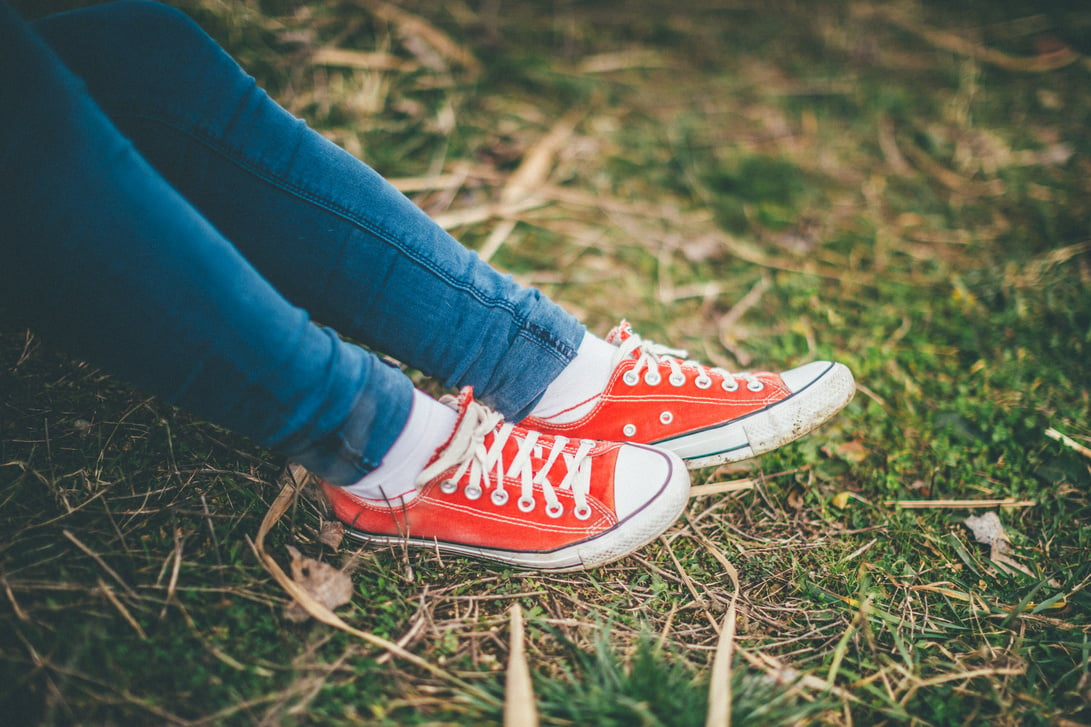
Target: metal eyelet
{"type": "Point", "coordinates": [448, 487]}
{"type": "Point", "coordinates": [582, 512]}
{"type": "Point", "coordinates": [678, 379]}
{"type": "Point", "coordinates": [666, 417]}
{"type": "Point", "coordinates": [628, 430]}
{"type": "Point", "coordinates": [631, 378]}
{"type": "Point", "coordinates": [702, 382]}
{"type": "Point", "coordinates": [526, 504]}
{"type": "Point", "coordinates": [652, 378]}
{"type": "Point", "coordinates": [473, 492]}
{"type": "Point", "coordinates": [499, 497]}
{"type": "Point", "coordinates": [756, 385]}
{"type": "Point", "coordinates": [554, 511]}
{"type": "Point", "coordinates": [730, 384]}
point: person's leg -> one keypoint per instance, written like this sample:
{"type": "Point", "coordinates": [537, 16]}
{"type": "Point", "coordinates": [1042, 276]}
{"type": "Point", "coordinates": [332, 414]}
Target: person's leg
{"type": "Point", "coordinates": [327, 231]}
{"type": "Point", "coordinates": [341, 242]}
{"type": "Point", "coordinates": [102, 255]}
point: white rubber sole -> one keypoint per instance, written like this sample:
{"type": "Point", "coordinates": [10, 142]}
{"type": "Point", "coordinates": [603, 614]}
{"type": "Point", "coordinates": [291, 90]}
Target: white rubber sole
{"type": "Point", "coordinates": [771, 427]}
{"type": "Point", "coordinates": [640, 528]}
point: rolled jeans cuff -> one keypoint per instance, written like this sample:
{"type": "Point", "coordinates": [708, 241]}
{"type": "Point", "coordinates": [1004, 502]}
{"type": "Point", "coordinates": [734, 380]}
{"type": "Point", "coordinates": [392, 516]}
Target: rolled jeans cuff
{"type": "Point", "coordinates": [537, 355]}
{"type": "Point", "coordinates": [378, 415]}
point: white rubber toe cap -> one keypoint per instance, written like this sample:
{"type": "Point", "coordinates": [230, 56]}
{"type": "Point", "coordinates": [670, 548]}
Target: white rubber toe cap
{"type": "Point", "coordinates": [801, 377]}
{"type": "Point", "coordinates": [642, 475]}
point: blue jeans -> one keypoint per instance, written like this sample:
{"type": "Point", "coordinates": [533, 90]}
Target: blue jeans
{"type": "Point", "coordinates": [163, 218]}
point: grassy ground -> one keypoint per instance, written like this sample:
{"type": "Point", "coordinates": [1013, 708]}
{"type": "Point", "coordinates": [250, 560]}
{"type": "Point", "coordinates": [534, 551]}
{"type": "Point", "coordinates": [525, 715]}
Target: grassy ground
{"type": "Point", "coordinates": [901, 186]}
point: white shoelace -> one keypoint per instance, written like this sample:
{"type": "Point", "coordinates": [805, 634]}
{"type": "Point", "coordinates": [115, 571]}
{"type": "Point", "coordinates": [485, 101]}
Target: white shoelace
{"type": "Point", "coordinates": [649, 355]}
{"type": "Point", "coordinates": [486, 468]}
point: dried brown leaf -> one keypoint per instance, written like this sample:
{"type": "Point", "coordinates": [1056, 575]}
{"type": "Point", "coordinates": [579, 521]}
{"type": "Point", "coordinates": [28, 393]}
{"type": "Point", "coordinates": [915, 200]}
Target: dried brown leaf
{"type": "Point", "coordinates": [852, 451]}
{"type": "Point", "coordinates": [328, 585]}
{"type": "Point", "coordinates": [988, 531]}
{"type": "Point", "coordinates": [331, 533]}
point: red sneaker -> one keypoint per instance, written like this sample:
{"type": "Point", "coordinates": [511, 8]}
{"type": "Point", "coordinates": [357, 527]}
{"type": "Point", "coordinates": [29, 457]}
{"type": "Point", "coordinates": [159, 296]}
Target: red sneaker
{"type": "Point", "coordinates": [498, 491]}
{"type": "Point", "coordinates": [704, 414]}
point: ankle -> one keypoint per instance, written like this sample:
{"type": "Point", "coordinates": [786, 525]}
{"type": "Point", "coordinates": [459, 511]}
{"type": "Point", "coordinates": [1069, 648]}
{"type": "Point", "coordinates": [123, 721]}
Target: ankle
{"type": "Point", "coordinates": [428, 428]}
{"type": "Point", "coordinates": [579, 384]}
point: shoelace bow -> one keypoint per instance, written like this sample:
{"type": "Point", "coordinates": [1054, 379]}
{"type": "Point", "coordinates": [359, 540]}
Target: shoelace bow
{"type": "Point", "coordinates": [649, 355]}
{"type": "Point", "coordinates": [486, 468]}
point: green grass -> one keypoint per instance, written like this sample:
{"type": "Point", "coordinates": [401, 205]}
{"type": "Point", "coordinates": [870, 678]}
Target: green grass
{"type": "Point", "coordinates": [762, 183]}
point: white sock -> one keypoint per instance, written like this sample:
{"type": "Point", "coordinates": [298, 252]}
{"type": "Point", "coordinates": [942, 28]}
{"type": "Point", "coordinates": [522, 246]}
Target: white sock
{"type": "Point", "coordinates": [579, 385]}
{"type": "Point", "coordinates": [429, 426]}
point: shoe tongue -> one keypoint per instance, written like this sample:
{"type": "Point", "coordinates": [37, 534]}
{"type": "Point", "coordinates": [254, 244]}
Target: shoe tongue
{"type": "Point", "coordinates": [461, 406]}
{"type": "Point", "coordinates": [622, 332]}
{"type": "Point", "coordinates": [465, 396]}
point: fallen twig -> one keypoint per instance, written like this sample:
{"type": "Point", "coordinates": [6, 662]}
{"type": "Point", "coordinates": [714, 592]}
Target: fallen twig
{"type": "Point", "coordinates": [519, 705]}
{"type": "Point", "coordinates": [719, 688]}
{"type": "Point", "coordinates": [926, 504]}
{"type": "Point", "coordinates": [1049, 61]}
{"type": "Point", "coordinates": [1068, 442]}
{"type": "Point", "coordinates": [528, 177]}
{"type": "Point", "coordinates": [718, 488]}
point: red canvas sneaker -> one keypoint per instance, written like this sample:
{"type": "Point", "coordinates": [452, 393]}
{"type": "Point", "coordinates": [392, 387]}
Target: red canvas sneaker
{"type": "Point", "coordinates": [499, 491]}
{"type": "Point", "coordinates": [704, 414]}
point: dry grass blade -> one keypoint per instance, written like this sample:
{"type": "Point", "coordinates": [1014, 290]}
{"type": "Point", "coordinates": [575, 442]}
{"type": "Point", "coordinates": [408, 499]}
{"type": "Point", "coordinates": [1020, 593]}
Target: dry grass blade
{"type": "Point", "coordinates": [473, 215]}
{"type": "Point", "coordinates": [519, 706]}
{"type": "Point", "coordinates": [719, 488]}
{"type": "Point", "coordinates": [951, 179]}
{"type": "Point", "coordinates": [175, 571]}
{"type": "Point", "coordinates": [418, 625]}
{"type": "Point", "coordinates": [748, 301]}
{"type": "Point", "coordinates": [624, 61]}
{"type": "Point", "coordinates": [719, 688]}
{"type": "Point", "coordinates": [125, 614]}
{"type": "Point", "coordinates": [781, 673]}
{"type": "Point", "coordinates": [319, 611]}
{"type": "Point", "coordinates": [534, 169]}
{"type": "Point", "coordinates": [98, 559]}
{"type": "Point", "coordinates": [959, 676]}
{"type": "Point", "coordinates": [531, 175]}
{"type": "Point", "coordinates": [1068, 442]}
{"type": "Point", "coordinates": [361, 60]}
{"type": "Point", "coordinates": [1048, 61]}
{"type": "Point", "coordinates": [497, 238]}
{"type": "Point", "coordinates": [414, 26]}
{"type": "Point", "coordinates": [453, 180]}
{"type": "Point", "coordinates": [698, 600]}
{"type": "Point", "coordinates": [15, 607]}
{"type": "Point", "coordinates": [959, 504]}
